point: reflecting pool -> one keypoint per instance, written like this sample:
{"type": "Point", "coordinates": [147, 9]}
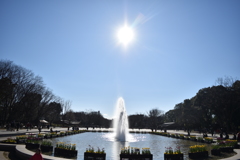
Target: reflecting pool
{"type": "Point", "coordinates": [112, 147]}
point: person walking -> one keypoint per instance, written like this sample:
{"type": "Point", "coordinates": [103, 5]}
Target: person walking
{"type": "Point", "coordinates": [37, 155]}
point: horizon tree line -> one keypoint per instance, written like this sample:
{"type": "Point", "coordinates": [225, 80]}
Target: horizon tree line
{"type": "Point", "coordinates": [24, 98]}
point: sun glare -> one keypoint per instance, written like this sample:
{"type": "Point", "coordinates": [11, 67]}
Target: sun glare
{"type": "Point", "coordinates": [125, 35]}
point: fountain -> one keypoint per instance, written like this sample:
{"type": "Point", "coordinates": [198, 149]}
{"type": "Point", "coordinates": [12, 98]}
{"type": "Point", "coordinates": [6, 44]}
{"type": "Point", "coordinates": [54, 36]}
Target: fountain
{"type": "Point", "coordinates": [113, 142]}
{"type": "Point", "coordinates": [121, 121]}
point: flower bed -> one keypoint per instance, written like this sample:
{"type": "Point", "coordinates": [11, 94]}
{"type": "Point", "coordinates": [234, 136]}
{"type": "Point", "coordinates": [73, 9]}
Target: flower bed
{"type": "Point", "coordinates": [226, 149]}
{"type": "Point", "coordinates": [216, 152]}
{"type": "Point", "coordinates": [48, 135]}
{"type": "Point", "coordinates": [200, 139]}
{"type": "Point", "coordinates": [53, 135]}
{"type": "Point", "coordinates": [208, 140]}
{"type": "Point", "coordinates": [198, 151]}
{"type": "Point", "coordinates": [198, 155]}
{"type": "Point", "coordinates": [193, 138]}
{"type": "Point", "coordinates": [62, 133]}
{"type": "Point", "coordinates": [10, 141]}
{"type": "Point", "coordinates": [32, 146]}
{"type": "Point", "coordinates": [41, 136]}
{"type": "Point", "coordinates": [181, 136]}
{"type": "Point", "coordinates": [133, 153]}
{"type": "Point", "coordinates": [227, 145]}
{"type": "Point", "coordinates": [164, 134]}
{"type": "Point", "coordinates": [172, 135]}
{"type": "Point", "coordinates": [65, 153]}
{"type": "Point", "coordinates": [46, 146]}
{"type": "Point", "coordinates": [134, 157]}
{"type": "Point", "coordinates": [21, 139]}
{"type": "Point", "coordinates": [173, 155]}
{"type": "Point", "coordinates": [91, 154]}
{"type": "Point", "coordinates": [33, 140]}
{"type": "Point", "coordinates": [65, 150]}
{"type": "Point", "coordinates": [231, 143]}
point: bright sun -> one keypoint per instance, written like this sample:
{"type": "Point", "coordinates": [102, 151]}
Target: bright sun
{"type": "Point", "coordinates": [125, 35]}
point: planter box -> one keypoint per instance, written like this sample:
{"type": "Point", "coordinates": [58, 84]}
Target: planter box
{"type": "Point", "coordinates": [9, 142]}
{"type": "Point", "coordinates": [173, 156]}
{"type": "Point", "coordinates": [198, 155]}
{"type": "Point", "coordinates": [21, 141]}
{"type": "Point", "coordinates": [32, 146]}
{"type": "Point", "coordinates": [136, 157]}
{"type": "Point", "coordinates": [226, 149]}
{"type": "Point", "coordinates": [46, 148]}
{"type": "Point", "coordinates": [215, 152]}
{"type": "Point", "coordinates": [94, 156]}
{"type": "Point", "coordinates": [65, 153]}
{"type": "Point", "coordinates": [236, 146]}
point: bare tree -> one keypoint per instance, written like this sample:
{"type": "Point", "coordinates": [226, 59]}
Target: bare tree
{"type": "Point", "coordinates": [226, 81]}
{"type": "Point", "coordinates": [66, 106]}
{"type": "Point", "coordinates": [22, 94]}
{"type": "Point", "coordinates": [155, 117]}
{"type": "Point", "coordinates": [24, 83]}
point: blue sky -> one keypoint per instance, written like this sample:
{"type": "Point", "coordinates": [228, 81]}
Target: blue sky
{"type": "Point", "coordinates": [179, 48]}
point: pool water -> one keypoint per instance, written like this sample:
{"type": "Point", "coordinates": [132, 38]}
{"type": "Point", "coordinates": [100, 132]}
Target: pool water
{"type": "Point", "coordinates": [106, 140]}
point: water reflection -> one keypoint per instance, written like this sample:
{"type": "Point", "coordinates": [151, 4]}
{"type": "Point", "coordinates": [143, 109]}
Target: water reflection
{"type": "Point", "coordinates": [112, 147]}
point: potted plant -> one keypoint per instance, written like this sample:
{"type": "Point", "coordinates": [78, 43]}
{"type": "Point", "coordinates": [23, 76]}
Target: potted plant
{"type": "Point", "coordinates": [198, 151]}
{"type": "Point", "coordinates": [181, 136]}
{"type": "Point", "coordinates": [193, 138]}
{"type": "Point", "coordinates": [232, 143]}
{"type": "Point", "coordinates": [91, 154]}
{"type": "Point", "coordinates": [65, 150]}
{"type": "Point", "coordinates": [200, 139]}
{"type": "Point", "coordinates": [21, 139]}
{"type": "Point", "coordinates": [53, 134]}
{"type": "Point", "coordinates": [10, 141]}
{"type": "Point", "coordinates": [40, 136]}
{"type": "Point", "coordinates": [32, 143]}
{"type": "Point", "coordinates": [46, 146]}
{"type": "Point", "coordinates": [227, 145]}
{"type": "Point", "coordinates": [62, 133]}
{"type": "Point", "coordinates": [215, 150]}
{"type": "Point", "coordinates": [134, 153]}
{"type": "Point", "coordinates": [47, 135]}
{"type": "Point", "coordinates": [173, 155]}
{"type": "Point", "coordinates": [173, 135]}
{"type": "Point", "coordinates": [208, 140]}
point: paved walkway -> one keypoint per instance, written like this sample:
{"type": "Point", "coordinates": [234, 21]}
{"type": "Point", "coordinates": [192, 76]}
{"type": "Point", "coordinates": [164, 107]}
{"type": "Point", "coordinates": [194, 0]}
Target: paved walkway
{"type": "Point", "coordinates": [21, 148]}
{"type": "Point", "coordinates": [2, 156]}
{"type": "Point", "coordinates": [6, 134]}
